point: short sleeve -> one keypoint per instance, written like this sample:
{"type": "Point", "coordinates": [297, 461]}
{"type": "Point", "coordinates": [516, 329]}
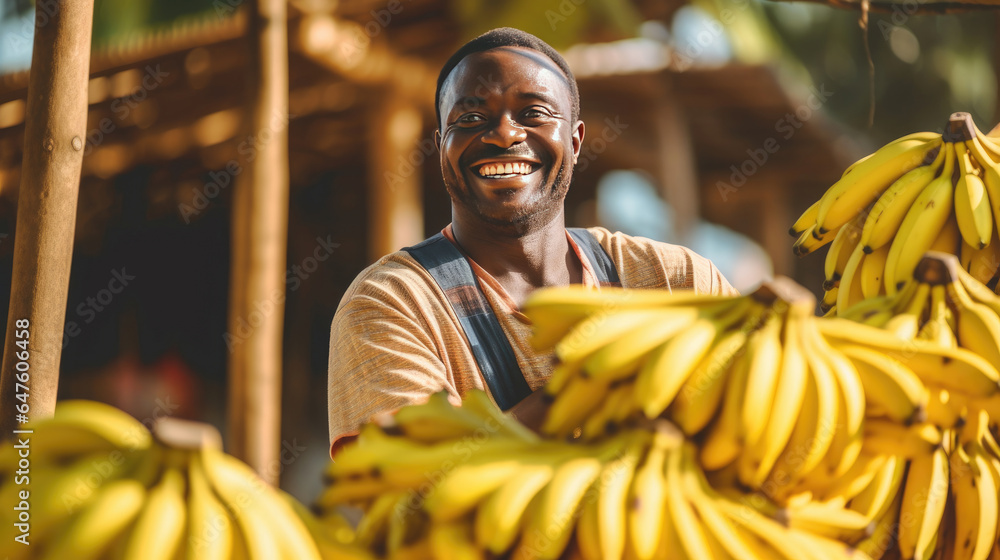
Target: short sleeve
{"type": "Point", "coordinates": [382, 357]}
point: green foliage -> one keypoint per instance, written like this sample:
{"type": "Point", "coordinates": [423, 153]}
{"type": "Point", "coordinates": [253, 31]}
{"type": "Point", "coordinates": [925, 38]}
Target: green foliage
{"type": "Point", "coordinates": [560, 23]}
{"type": "Point", "coordinates": [926, 66]}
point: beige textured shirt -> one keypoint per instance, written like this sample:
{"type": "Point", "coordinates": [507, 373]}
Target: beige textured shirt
{"type": "Point", "coordinates": [395, 338]}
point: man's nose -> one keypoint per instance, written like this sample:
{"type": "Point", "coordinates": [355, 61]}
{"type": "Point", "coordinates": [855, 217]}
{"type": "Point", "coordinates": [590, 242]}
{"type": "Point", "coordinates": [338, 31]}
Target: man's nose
{"type": "Point", "coordinates": [505, 133]}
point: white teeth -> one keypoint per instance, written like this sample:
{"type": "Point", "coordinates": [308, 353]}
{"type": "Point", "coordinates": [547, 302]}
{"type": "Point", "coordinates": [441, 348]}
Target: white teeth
{"type": "Point", "coordinates": [491, 169]}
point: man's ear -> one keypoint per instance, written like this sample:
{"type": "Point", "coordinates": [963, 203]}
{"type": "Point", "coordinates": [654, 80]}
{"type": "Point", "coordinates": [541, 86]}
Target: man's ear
{"type": "Point", "coordinates": [578, 140]}
{"type": "Point", "coordinates": [437, 139]}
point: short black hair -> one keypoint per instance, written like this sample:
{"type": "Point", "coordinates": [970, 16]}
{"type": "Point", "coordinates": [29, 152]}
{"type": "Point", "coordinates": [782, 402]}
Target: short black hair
{"type": "Point", "coordinates": [507, 37]}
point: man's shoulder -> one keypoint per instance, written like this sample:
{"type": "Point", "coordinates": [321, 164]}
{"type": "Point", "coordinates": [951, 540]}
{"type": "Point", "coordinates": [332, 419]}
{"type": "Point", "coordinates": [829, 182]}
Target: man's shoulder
{"type": "Point", "coordinates": [394, 273]}
{"type": "Point", "coordinates": [622, 245]}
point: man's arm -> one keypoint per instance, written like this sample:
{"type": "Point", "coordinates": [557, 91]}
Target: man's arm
{"type": "Point", "coordinates": [531, 410]}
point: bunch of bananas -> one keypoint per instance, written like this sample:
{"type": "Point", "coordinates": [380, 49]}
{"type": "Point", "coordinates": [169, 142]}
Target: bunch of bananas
{"type": "Point", "coordinates": [717, 427]}
{"type": "Point", "coordinates": [751, 379]}
{"type": "Point", "coordinates": [102, 486]}
{"type": "Point", "coordinates": [431, 492]}
{"type": "Point", "coordinates": [924, 191]}
{"type": "Point", "coordinates": [954, 457]}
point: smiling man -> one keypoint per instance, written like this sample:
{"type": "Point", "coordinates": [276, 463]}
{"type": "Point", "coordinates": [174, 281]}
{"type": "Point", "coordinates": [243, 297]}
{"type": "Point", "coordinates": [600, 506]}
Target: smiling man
{"type": "Point", "coordinates": [443, 315]}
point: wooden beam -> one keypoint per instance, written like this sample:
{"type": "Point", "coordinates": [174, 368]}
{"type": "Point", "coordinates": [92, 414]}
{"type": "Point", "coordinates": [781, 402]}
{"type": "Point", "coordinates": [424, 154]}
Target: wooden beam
{"type": "Point", "coordinates": [56, 123]}
{"type": "Point", "coordinates": [259, 239]}
{"type": "Point", "coordinates": [396, 154]}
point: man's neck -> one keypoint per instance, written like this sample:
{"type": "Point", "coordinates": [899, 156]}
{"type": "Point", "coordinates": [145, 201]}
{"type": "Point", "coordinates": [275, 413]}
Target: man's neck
{"type": "Point", "coordinates": [538, 258]}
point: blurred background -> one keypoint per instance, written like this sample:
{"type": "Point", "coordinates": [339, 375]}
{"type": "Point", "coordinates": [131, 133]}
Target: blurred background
{"type": "Point", "coordinates": [710, 123]}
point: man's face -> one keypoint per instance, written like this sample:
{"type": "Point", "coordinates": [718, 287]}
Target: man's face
{"type": "Point", "coordinates": [508, 144]}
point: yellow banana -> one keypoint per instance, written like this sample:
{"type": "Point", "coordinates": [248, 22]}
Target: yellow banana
{"type": "Point", "coordinates": [736, 543]}
{"type": "Point", "coordinates": [853, 192]}
{"type": "Point", "coordinates": [833, 522]}
{"type": "Point", "coordinates": [924, 496]}
{"type": "Point", "coordinates": [829, 302]}
{"type": "Point", "coordinates": [648, 496]}
{"type": "Point", "coordinates": [875, 500]}
{"type": "Point", "coordinates": [872, 273]}
{"type": "Point", "coordinates": [93, 529]}
{"type": "Point", "coordinates": [611, 504]}
{"type": "Point", "coordinates": [978, 324]}
{"type": "Point", "coordinates": [601, 329]}
{"type": "Point", "coordinates": [80, 427]}
{"type": "Point", "coordinates": [850, 292]}
{"type": "Point", "coordinates": [681, 513]}
{"type": "Point", "coordinates": [952, 368]}
{"type": "Point", "coordinates": [972, 202]}
{"type": "Point", "coordinates": [453, 541]}
{"type": "Point", "coordinates": [617, 404]}
{"type": "Point", "coordinates": [783, 409]}
{"type": "Point", "coordinates": [466, 485]}
{"type": "Point", "coordinates": [887, 215]}
{"type": "Point", "coordinates": [269, 525]}
{"type": "Point", "coordinates": [937, 329]}
{"type": "Point", "coordinates": [847, 376]}
{"type": "Point", "coordinates": [572, 406]}
{"type": "Point", "coordinates": [479, 403]}
{"type": "Point", "coordinates": [764, 353]}
{"type": "Point", "coordinates": [855, 480]}
{"type": "Point", "coordinates": [436, 420]}
{"type": "Point", "coordinates": [669, 366]}
{"type": "Point", "coordinates": [786, 542]}
{"type": "Point", "coordinates": [976, 497]}
{"type": "Point", "coordinates": [810, 241]}
{"type": "Point", "coordinates": [499, 518]}
{"type": "Point", "coordinates": [805, 220]}
{"type": "Point", "coordinates": [915, 440]}
{"type": "Point", "coordinates": [991, 174]}
{"type": "Point", "coordinates": [883, 538]}
{"type": "Point", "coordinates": [702, 393]}
{"type": "Point", "coordinates": [159, 528]}
{"type": "Point", "coordinates": [890, 386]}
{"type": "Point", "coordinates": [840, 251]}
{"type": "Point", "coordinates": [551, 523]}
{"type": "Point", "coordinates": [373, 528]}
{"type": "Point", "coordinates": [906, 324]}
{"type": "Point", "coordinates": [334, 536]}
{"type": "Point", "coordinates": [723, 442]}
{"type": "Point", "coordinates": [210, 530]}
{"type": "Point", "coordinates": [921, 226]}
{"type": "Point", "coordinates": [623, 357]}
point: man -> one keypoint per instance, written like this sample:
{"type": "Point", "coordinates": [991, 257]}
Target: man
{"type": "Point", "coordinates": [509, 136]}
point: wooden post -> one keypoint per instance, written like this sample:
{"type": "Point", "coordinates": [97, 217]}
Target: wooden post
{"type": "Point", "coordinates": [54, 137]}
{"type": "Point", "coordinates": [678, 176]}
{"type": "Point", "coordinates": [259, 238]}
{"type": "Point", "coordinates": [397, 155]}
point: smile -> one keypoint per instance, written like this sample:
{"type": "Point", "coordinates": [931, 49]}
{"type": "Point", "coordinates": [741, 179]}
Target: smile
{"type": "Point", "coordinates": [499, 170]}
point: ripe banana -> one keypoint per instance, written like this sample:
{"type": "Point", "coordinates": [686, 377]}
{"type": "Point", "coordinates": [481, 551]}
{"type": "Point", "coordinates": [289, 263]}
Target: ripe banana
{"type": "Point", "coordinates": [887, 215]}
{"type": "Point", "coordinates": [921, 226]}
{"type": "Point", "coordinates": [972, 202]}
{"type": "Point", "coordinates": [94, 528]}
{"type": "Point", "coordinates": [869, 179]}
{"type": "Point", "coordinates": [924, 497]}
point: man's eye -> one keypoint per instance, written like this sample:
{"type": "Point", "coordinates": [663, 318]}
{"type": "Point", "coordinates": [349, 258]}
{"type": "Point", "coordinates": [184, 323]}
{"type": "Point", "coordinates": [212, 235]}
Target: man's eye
{"type": "Point", "coordinates": [470, 119]}
{"type": "Point", "coordinates": [536, 114]}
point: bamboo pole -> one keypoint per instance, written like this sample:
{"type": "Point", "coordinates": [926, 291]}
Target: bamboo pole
{"type": "Point", "coordinates": [259, 238]}
{"type": "Point", "coordinates": [55, 126]}
{"type": "Point", "coordinates": [396, 155]}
